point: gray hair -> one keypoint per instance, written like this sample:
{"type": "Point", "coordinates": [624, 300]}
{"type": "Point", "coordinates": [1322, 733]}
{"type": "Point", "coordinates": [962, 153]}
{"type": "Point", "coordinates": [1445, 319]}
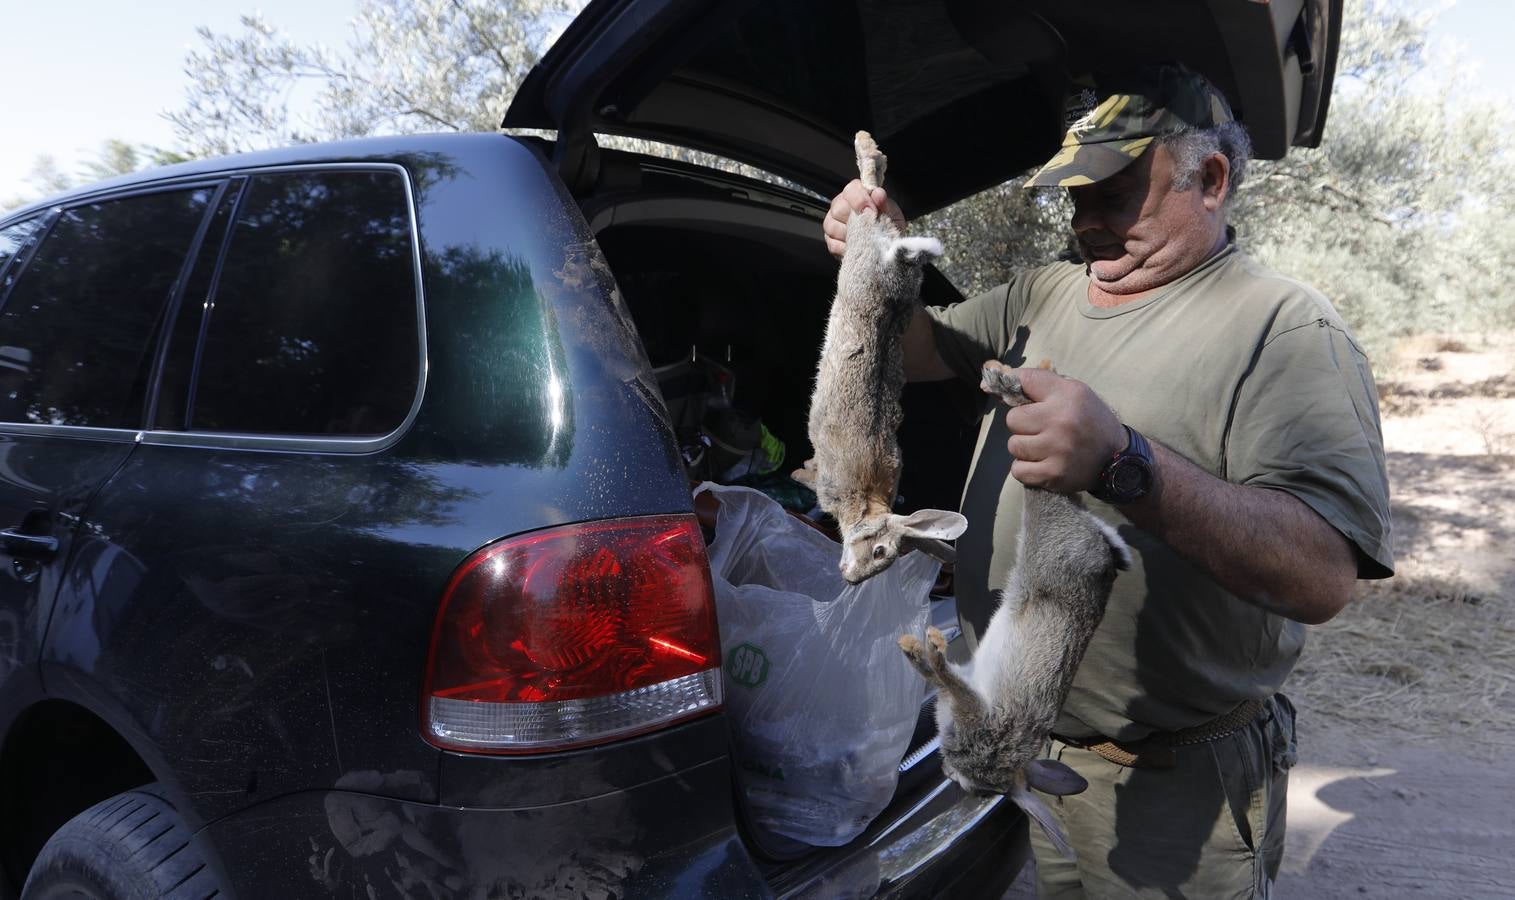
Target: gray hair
{"type": "Point", "coordinates": [1192, 146]}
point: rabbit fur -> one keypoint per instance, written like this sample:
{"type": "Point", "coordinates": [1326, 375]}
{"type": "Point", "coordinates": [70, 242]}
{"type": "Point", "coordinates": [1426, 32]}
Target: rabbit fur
{"type": "Point", "coordinates": [855, 409]}
{"type": "Point", "coordinates": [995, 713]}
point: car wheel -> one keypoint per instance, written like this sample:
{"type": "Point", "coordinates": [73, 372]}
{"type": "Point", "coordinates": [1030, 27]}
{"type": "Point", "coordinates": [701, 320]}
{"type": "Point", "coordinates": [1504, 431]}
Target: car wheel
{"type": "Point", "coordinates": [133, 846]}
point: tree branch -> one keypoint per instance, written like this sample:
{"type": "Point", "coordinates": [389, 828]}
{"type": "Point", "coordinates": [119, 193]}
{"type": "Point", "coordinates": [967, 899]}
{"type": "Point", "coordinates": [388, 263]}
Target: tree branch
{"type": "Point", "coordinates": [1326, 187]}
{"type": "Point", "coordinates": [482, 34]}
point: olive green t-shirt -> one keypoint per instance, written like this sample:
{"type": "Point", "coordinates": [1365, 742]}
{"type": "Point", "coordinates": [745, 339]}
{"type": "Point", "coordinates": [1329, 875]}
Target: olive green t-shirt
{"type": "Point", "coordinates": [1250, 375]}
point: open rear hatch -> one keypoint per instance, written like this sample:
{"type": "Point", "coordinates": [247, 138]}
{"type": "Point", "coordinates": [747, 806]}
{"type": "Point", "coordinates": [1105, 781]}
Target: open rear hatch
{"type": "Point", "coordinates": [962, 94]}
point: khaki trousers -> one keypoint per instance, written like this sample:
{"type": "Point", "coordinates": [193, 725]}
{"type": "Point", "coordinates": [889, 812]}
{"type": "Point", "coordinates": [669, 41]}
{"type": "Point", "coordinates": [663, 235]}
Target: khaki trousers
{"type": "Point", "coordinates": [1210, 827]}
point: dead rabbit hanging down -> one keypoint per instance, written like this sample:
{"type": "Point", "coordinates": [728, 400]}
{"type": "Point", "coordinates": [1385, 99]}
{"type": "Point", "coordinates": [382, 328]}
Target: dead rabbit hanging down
{"type": "Point", "coordinates": [855, 410]}
{"type": "Point", "coordinates": [995, 713]}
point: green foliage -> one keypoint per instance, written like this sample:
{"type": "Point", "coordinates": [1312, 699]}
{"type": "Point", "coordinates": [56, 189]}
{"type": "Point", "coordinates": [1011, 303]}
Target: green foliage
{"type": "Point", "coordinates": [1398, 215]}
{"type": "Point", "coordinates": [410, 66]}
{"type": "Point", "coordinates": [992, 234]}
{"type": "Point", "coordinates": [114, 157]}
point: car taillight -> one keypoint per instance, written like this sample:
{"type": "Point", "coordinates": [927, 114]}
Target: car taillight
{"type": "Point", "coordinates": [573, 636]}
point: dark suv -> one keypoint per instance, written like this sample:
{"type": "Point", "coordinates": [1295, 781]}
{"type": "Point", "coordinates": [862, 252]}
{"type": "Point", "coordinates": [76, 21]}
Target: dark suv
{"type": "Point", "coordinates": [351, 548]}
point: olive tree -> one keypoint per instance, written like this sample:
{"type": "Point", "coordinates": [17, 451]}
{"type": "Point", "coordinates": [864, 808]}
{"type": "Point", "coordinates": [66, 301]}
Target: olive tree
{"type": "Point", "coordinates": [1391, 215]}
{"type": "Point", "coordinates": [409, 66]}
{"type": "Point", "coordinates": [113, 157]}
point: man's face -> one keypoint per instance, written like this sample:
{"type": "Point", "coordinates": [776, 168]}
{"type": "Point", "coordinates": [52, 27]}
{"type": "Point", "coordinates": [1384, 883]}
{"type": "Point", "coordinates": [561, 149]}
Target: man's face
{"type": "Point", "coordinates": [1136, 232]}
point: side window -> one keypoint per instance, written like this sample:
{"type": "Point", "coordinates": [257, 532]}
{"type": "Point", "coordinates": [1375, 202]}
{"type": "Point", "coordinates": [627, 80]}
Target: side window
{"type": "Point", "coordinates": [311, 328]}
{"type": "Point", "coordinates": [77, 330]}
{"type": "Point", "coordinates": [13, 242]}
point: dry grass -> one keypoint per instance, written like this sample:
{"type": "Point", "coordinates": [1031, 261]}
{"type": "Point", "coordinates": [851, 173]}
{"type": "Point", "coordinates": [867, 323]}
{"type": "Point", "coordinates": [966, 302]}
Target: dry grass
{"type": "Point", "coordinates": [1430, 653]}
{"type": "Point", "coordinates": [1396, 398]}
{"type": "Point", "coordinates": [1400, 398]}
{"type": "Point", "coordinates": [1489, 424]}
{"type": "Point", "coordinates": [1417, 656]}
{"type": "Point", "coordinates": [1497, 386]}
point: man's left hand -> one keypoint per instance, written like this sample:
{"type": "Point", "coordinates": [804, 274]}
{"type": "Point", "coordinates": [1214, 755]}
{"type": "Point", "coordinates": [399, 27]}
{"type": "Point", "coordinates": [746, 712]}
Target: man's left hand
{"type": "Point", "coordinates": [1064, 437]}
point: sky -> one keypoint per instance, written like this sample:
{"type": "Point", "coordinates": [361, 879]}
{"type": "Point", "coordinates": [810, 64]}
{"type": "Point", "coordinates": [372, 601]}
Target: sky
{"type": "Point", "coordinates": [111, 69]}
{"type": "Point", "coordinates": [1487, 29]}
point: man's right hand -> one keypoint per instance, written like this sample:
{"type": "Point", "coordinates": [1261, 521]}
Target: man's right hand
{"type": "Point", "coordinates": [923, 362]}
{"type": "Point", "coordinates": [855, 198]}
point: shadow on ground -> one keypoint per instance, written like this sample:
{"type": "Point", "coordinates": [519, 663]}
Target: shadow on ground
{"type": "Point", "coordinates": [1410, 824]}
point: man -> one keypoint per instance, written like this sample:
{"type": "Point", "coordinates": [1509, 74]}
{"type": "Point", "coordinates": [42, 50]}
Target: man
{"type": "Point", "coordinates": [1222, 417]}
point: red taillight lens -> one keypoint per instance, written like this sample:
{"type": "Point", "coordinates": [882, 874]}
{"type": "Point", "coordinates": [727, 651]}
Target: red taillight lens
{"type": "Point", "coordinates": [573, 636]}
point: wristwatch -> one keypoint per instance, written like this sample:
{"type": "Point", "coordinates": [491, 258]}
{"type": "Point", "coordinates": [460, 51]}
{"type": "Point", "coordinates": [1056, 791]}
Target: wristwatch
{"type": "Point", "coordinates": [1128, 475]}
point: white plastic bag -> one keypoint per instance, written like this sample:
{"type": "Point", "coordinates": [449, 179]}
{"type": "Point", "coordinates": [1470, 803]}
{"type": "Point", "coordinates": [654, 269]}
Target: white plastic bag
{"type": "Point", "coordinates": [821, 701]}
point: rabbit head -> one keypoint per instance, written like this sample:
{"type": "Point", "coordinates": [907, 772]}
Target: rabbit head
{"type": "Point", "coordinates": [980, 770]}
{"type": "Point", "coordinates": [1046, 775]}
{"type": "Point", "coordinates": [877, 541]}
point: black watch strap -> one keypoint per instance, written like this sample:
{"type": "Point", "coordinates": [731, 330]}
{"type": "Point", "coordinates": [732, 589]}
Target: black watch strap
{"type": "Point", "coordinates": [1128, 475]}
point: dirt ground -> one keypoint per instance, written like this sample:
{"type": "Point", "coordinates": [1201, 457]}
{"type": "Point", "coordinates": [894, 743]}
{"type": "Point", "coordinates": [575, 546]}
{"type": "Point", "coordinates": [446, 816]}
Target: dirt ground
{"type": "Point", "coordinates": [1407, 699]}
{"type": "Point", "coordinates": [1406, 776]}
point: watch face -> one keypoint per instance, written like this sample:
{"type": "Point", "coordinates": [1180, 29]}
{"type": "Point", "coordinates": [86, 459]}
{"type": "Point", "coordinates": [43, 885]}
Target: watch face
{"type": "Point", "coordinates": [1130, 479]}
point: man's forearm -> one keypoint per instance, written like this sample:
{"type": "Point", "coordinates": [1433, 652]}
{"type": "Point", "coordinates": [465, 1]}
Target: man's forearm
{"type": "Point", "coordinates": [922, 360]}
{"type": "Point", "coordinates": [1262, 545]}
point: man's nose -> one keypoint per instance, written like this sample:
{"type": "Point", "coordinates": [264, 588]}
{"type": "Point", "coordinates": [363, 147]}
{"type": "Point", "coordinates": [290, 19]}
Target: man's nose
{"type": "Point", "coordinates": [1086, 216]}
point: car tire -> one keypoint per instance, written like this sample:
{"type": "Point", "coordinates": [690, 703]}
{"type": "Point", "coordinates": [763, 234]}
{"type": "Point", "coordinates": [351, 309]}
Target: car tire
{"type": "Point", "coordinates": [134, 846]}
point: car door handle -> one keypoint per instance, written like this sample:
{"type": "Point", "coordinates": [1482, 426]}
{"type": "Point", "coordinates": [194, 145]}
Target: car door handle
{"type": "Point", "coordinates": [32, 546]}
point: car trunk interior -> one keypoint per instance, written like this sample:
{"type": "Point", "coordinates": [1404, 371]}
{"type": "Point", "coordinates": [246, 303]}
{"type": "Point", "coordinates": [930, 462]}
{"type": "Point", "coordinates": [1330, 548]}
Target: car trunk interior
{"type": "Point", "coordinates": [734, 272]}
{"type": "Point", "coordinates": [741, 282]}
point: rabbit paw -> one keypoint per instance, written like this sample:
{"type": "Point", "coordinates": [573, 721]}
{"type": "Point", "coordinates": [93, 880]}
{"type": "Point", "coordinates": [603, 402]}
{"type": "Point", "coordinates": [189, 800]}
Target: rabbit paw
{"type": "Point", "coordinates": [929, 659]}
{"type": "Point", "coordinates": [1001, 380]}
{"type": "Point", "coordinates": [937, 652]}
{"type": "Point", "coordinates": [915, 652]}
{"type": "Point", "coordinates": [806, 474]}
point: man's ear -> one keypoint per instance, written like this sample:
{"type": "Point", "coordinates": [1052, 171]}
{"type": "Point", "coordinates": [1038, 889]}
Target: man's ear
{"type": "Point", "coordinates": [1215, 181]}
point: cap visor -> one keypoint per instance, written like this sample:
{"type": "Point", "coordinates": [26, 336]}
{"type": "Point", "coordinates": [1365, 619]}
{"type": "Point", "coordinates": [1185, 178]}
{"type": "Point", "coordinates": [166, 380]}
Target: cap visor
{"type": "Point", "coordinates": [1088, 163]}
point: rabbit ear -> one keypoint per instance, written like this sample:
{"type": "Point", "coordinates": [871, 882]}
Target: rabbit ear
{"type": "Point", "coordinates": [930, 523]}
{"type": "Point", "coordinates": [926, 529]}
{"type": "Point", "coordinates": [1052, 777]}
{"type": "Point", "coordinates": [1044, 817]}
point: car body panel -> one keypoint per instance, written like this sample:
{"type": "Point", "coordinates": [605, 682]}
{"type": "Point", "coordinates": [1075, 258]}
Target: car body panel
{"type": "Point", "coordinates": [45, 485]}
{"type": "Point", "coordinates": [671, 837]}
{"type": "Point", "coordinates": [625, 830]}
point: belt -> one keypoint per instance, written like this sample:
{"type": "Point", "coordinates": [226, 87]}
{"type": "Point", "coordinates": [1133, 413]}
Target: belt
{"type": "Point", "coordinates": [1156, 751]}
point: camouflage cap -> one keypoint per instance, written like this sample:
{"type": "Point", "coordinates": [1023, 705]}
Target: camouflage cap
{"type": "Point", "coordinates": [1134, 109]}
